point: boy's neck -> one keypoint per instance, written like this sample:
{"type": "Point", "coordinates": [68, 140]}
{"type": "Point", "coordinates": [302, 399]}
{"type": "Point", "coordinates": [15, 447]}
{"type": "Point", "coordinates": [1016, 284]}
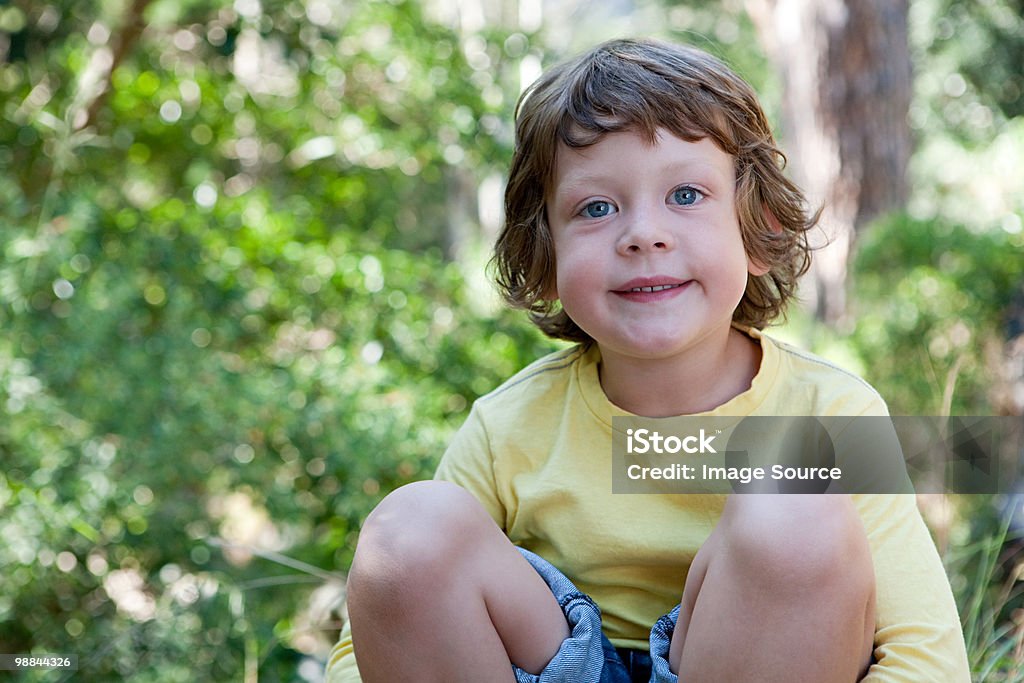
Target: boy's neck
{"type": "Point", "coordinates": [694, 383]}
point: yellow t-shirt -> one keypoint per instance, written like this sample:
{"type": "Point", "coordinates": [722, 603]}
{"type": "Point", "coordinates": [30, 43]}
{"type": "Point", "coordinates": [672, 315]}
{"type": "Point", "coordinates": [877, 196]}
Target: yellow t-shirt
{"type": "Point", "coordinates": [536, 452]}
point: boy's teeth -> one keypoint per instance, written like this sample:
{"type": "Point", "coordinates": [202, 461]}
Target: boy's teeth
{"type": "Point", "coordinates": [656, 288]}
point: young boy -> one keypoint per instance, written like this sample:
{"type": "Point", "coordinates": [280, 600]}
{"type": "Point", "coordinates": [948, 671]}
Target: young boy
{"type": "Point", "coordinates": [647, 219]}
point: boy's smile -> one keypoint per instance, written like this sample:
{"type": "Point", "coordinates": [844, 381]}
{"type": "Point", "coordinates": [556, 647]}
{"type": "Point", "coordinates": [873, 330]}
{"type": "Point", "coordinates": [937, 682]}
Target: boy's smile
{"type": "Point", "coordinates": [649, 258]}
{"type": "Point", "coordinates": [643, 289]}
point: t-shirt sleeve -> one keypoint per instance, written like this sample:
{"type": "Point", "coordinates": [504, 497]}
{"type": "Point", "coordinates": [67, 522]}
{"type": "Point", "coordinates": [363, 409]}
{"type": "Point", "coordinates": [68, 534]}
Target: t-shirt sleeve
{"type": "Point", "coordinates": [918, 636]}
{"type": "Point", "coordinates": [469, 462]}
{"type": "Point", "coordinates": [341, 664]}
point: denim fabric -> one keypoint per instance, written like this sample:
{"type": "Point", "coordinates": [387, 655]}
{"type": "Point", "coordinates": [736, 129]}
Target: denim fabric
{"type": "Point", "coordinates": [622, 665]}
{"type": "Point", "coordinates": [661, 638]}
{"type": "Point", "coordinates": [580, 658]}
{"type": "Point", "coordinates": [587, 656]}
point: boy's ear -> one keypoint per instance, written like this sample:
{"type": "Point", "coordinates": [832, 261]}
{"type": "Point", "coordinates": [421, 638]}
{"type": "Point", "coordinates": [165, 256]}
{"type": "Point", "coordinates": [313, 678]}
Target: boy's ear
{"type": "Point", "coordinates": [550, 291]}
{"type": "Point", "coordinates": [755, 267]}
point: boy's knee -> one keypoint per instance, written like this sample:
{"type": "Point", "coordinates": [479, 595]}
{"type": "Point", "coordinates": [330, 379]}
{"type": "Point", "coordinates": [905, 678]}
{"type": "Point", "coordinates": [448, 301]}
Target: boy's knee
{"type": "Point", "coordinates": [799, 542]}
{"type": "Point", "coordinates": [414, 535]}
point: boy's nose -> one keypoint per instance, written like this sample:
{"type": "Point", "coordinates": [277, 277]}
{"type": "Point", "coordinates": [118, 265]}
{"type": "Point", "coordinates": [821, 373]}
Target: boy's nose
{"type": "Point", "coordinates": [645, 233]}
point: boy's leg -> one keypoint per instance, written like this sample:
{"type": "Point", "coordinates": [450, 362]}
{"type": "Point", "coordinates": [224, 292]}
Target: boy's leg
{"type": "Point", "coordinates": [783, 590]}
{"type": "Point", "coordinates": [438, 593]}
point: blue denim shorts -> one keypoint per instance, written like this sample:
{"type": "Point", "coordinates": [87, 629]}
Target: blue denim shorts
{"type": "Point", "coordinates": [587, 656]}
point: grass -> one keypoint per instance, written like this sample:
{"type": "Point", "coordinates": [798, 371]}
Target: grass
{"type": "Point", "coordinates": [986, 573]}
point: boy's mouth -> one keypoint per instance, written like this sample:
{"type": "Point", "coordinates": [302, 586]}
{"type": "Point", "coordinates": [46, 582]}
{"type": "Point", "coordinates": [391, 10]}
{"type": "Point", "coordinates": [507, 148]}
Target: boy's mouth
{"type": "Point", "coordinates": [651, 289]}
{"type": "Point", "coordinates": [649, 285]}
{"type": "Point", "coordinates": [655, 288]}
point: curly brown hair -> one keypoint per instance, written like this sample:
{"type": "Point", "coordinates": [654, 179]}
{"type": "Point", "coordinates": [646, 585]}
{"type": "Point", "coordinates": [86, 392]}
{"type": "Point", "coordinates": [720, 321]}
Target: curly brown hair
{"type": "Point", "coordinates": [644, 86]}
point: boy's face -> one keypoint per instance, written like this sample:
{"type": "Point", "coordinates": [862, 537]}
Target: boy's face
{"type": "Point", "coordinates": [626, 217]}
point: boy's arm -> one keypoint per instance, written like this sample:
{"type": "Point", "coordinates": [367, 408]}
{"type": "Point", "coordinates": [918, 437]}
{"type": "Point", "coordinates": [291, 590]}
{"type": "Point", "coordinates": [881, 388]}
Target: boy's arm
{"type": "Point", "coordinates": [918, 636]}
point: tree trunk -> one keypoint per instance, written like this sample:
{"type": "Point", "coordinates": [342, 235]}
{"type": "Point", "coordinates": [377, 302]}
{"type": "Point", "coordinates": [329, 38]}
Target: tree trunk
{"type": "Point", "coordinates": [845, 69]}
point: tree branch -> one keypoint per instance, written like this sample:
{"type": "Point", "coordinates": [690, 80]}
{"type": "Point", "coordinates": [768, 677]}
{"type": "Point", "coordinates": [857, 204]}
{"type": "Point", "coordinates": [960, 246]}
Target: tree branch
{"type": "Point", "coordinates": [130, 33]}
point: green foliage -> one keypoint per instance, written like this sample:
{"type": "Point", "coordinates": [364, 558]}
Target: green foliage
{"type": "Point", "coordinates": [228, 316]}
{"type": "Point", "coordinates": [931, 301]}
{"type": "Point", "coordinates": [934, 304]}
{"type": "Point", "coordinates": [966, 112]}
{"type": "Point", "coordinates": [982, 43]}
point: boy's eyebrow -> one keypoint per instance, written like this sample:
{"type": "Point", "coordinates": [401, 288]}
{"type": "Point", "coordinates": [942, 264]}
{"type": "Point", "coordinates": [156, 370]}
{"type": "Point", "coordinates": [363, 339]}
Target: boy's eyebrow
{"type": "Point", "coordinates": [581, 181]}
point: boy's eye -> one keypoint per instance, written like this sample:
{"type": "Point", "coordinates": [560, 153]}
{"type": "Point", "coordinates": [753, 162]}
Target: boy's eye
{"type": "Point", "coordinates": [598, 209]}
{"type": "Point", "coordinates": [685, 196]}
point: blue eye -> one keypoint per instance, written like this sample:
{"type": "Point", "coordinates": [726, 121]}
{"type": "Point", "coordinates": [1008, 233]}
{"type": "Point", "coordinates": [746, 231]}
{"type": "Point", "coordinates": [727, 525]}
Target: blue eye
{"type": "Point", "coordinates": [685, 196]}
{"type": "Point", "coordinates": [598, 209]}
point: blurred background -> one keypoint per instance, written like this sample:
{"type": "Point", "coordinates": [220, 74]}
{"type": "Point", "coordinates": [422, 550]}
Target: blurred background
{"type": "Point", "coordinates": [243, 294]}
